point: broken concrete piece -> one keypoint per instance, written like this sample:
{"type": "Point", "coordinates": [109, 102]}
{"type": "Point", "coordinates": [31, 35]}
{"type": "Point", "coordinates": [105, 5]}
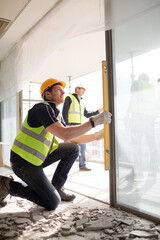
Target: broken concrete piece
{"type": "Point", "coordinates": [22, 220]}
{"type": "Point", "coordinates": [72, 231]}
{"type": "Point", "coordinates": [66, 227]}
{"type": "Point", "coordinates": [81, 222]}
{"type": "Point", "coordinates": [138, 233]}
{"type": "Point", "coordinates": [98, 224]}
{"type": "Point", "coordinates": [126, 221]}
{"type": "Point", "coordinates": [11, 234]}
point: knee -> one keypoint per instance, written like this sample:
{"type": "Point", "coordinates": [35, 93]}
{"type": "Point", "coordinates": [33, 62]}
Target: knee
{"type": "Point", "coordinates": [75, 147]}
{"type": "Point", "coordinates": [55, 203]}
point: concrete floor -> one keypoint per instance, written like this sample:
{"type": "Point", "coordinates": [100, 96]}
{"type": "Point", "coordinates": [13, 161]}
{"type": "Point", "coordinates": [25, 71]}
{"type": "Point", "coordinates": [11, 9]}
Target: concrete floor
{"type": "Point", "coordinates": [20, 219]}
{"type": "Point", "coordinates": [93, 184]}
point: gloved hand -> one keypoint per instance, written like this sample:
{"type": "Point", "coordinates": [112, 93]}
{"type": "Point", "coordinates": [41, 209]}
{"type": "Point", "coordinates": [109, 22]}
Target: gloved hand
{"type": "Point", "coordinates": [99, 135]}
{"type": "Point", "coordinates": [104, 117]}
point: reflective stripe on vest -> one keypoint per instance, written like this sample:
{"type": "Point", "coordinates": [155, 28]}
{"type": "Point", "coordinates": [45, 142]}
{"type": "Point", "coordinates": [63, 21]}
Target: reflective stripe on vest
{"type": "Point", "coordinates": [34, 144]}
{"type": "Point", "coordinates": [76, 111]}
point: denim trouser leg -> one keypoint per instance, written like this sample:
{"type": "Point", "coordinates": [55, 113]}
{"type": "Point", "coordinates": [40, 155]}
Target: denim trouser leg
{"type": "Point", "coordinates": [82, 156]}
{"type": "Point", "coordinates": [66, 153]}
{"type": "Point", "coordinates": [39, 189]}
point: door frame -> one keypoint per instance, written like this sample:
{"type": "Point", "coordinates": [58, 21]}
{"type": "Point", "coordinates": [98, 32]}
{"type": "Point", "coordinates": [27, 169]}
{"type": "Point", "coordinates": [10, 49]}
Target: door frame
{"type": "Point", "coordinates": [112, 172]}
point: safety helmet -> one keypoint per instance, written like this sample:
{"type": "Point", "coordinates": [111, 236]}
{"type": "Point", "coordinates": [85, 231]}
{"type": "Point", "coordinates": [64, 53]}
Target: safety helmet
{"type": "Point", "coordinates": [143, 77]}
{"type": "Point", "coordinates": [80, 86]}
{"type": "Point", "coordinates": [49, 83]}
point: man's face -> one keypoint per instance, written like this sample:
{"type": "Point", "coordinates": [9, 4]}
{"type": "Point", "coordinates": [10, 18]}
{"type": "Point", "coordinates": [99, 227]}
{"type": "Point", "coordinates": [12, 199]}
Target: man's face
{"type": "Point", "coordinates": [57, 94]}
{"type": "Point", "coordinates": [80, 91]}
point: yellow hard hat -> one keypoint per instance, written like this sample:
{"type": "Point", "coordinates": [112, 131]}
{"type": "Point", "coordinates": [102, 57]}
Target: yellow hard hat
{"type": "Point", "coordinates": [50, 82]}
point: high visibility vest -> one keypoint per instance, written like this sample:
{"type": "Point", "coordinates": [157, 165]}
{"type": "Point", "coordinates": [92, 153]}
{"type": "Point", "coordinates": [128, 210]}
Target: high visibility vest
{"type": "Point", "coordinates": [145, 102]}
{"type": "Point", "coordinates": [34, 144]}
{"type": "Point", "coordinates": [76, 111]}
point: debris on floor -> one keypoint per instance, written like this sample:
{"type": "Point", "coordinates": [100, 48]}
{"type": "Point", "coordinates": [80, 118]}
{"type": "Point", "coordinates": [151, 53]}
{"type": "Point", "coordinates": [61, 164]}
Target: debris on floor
{"type": "Point", "coordinates": [22, 220]}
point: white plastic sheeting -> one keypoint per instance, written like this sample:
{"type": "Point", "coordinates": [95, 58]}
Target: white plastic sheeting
{"type": "Point", "coordinates": [69, 20]}
{"type": "Point", "coordinates": [69, 41]}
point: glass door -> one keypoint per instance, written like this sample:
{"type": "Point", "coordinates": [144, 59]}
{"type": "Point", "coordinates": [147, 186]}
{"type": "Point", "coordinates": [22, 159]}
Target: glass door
{"type": "Point", "coordinates": [136, 78]}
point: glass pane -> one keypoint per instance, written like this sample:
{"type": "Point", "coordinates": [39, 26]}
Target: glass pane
{"type": "Point", "coordinates": [30, 96]}
{"type": "Point", "coordinates": [92, 100]}
{"type": "Point", "coordinates": [32, 91]}
{"type": "Point", "coordinates": [9, 129]}
{"type": "Point", "coordinates": [136, 45]}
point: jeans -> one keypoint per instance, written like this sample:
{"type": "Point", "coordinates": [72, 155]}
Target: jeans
{"type": "Point", "coordinates": [82, 156]}
{"type": "Point", "coordinates": [37, 187]}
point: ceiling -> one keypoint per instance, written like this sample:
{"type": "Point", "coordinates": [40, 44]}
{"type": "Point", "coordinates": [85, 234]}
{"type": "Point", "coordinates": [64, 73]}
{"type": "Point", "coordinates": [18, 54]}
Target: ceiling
{"type": "Point", "coordinates": [54, 41]}
{"type": "Point", "coordinates": [21, 15]}
{"type": "Point", "coordinates": [78, 56]}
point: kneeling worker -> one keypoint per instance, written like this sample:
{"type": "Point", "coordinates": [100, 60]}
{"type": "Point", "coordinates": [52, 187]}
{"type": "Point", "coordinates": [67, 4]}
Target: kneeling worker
{"type": "Point", "coordinates": [36, 147]}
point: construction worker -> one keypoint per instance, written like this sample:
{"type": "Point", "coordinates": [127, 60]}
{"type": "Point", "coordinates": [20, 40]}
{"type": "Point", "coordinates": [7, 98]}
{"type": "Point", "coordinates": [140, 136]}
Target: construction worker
{"type": "Point", "coordinates": [141, 117]}
{"type": "Point", "coordinates": [36, 147]}
{"type": "Point", "coordinates": [73, 113]}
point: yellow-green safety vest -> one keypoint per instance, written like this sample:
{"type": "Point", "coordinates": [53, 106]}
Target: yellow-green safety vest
{"type": "Point", "coordinates": [145, 102]}
{"type": "Point", "coordinates": [34, 144]}
{"type": "Point", "coordinates": [76, 111]}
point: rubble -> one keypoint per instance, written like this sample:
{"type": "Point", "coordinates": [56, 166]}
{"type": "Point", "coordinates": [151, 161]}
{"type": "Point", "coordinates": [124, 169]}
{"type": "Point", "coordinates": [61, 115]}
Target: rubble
{"type": "Point", "coordinates": [144, 234]}
{"type": "Point", "coordinates": [69, 223]}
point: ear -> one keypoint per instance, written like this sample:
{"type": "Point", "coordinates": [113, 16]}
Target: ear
{"type": "Point", "coordinates": [47, 95]}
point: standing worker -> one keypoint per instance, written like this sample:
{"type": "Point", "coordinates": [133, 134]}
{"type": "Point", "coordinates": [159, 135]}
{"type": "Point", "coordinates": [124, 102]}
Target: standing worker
{"type": "Point", "coordinates": [141, 118]}
{"type": "Point", "coordinates": [73, 114]}
{"type": "Point", "coordinates": [36, 147]}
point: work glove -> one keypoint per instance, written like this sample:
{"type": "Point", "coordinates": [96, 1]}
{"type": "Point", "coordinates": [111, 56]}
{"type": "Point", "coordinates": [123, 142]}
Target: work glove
{"type": "Point", "coordinates": [99, 135]}
{"type": "Point", "coordinates": [104, 117]}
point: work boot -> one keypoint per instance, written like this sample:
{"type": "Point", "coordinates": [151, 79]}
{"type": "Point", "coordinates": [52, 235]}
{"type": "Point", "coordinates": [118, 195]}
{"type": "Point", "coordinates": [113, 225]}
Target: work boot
{"type": "Point", "coordinates": [4, 186]}
{"type": "Point", "coordinates": [85, 169]}
{"type": "Point", "coordinates": [65, 196]}
{"type": "Point", "coordinates": [3, 204]}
